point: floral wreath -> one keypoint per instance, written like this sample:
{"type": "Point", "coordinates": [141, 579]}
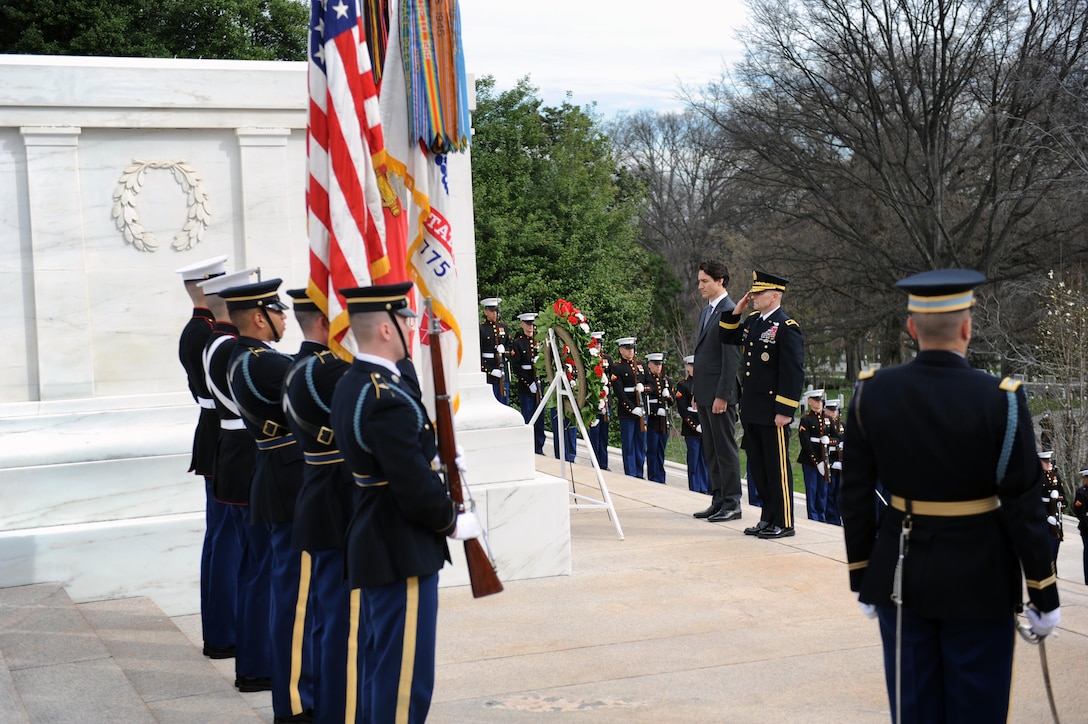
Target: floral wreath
{"type": "Point", "coordinates": [581, 358]}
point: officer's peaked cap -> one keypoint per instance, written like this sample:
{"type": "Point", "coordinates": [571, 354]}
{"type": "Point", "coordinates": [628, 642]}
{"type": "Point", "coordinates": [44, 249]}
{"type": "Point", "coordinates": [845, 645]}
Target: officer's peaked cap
{"type": "Point", "coordinates": [380, 298]}
{"type": "Point", "coordinates": [941, 290]}
{"type": "Point", "coordinates": [205, 269]}
{"type": "Point", "coordinates": [215, 285]}
{"type": "Point", "coordinates": [765, 281]}
{"type": "Point", "coordinates": [301, 301]}
{"type": "Point", "coordinates": [256, 295]}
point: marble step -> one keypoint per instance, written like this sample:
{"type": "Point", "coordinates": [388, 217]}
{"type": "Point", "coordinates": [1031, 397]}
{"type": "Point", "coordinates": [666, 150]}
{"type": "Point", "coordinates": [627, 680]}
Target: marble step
{"type": "Point", "coordinates": [119, 660]}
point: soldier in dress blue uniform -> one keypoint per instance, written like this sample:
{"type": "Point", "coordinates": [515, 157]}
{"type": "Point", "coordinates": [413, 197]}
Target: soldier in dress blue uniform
{"type": "Point", "coordinates": [835, 432]}
{"type": "Point", "coordinates": [257, 374]}
{"type": "Point", "coordinates": [234, 462]}
{"type": "Point", "coordinates": [658, 399]}
{"type": "Point", "coordinates": [324, 504]}
{"type": "Point", "coordinates": [598, 434]}
{"type": "Point", "coordinates": [1080, 510]}
{"type": "Point", "coordinates": [495, 349]}
{"type": "Point", "coordinates": [773, 357]}
{"type": "Point", "coordinates": [955, 449]}
{"type": "Point", "coordinates": [524, 366]}
{"type": "Point", "coordinates": [629, 383]}
{"type": "Point", "coordinates": [691, 430]}
{"type": "Point", "coordinates": [402, 516]}
{"type": "Point", "coordinates": [1053, 498]}
{"type": "Point", "coordinates": [812, 434]}
{"type": "Point", "coordinates": [219, 557]}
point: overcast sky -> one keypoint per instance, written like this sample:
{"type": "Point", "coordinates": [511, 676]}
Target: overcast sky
{"type": "Point", "coordinates": [624, 55]}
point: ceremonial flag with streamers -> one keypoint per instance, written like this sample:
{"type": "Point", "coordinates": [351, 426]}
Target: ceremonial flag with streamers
{"type": "Point", "coordinates": [345, 147]}
{"type": "Point", "coordinates": [412, 88]}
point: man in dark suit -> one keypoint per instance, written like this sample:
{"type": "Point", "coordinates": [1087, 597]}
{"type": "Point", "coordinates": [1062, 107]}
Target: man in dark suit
{"type": "Point", "coordinates": [396, 541]}
{"type": "Point", "coordinates": [716, 395]}
{"type": "Point", "coordinates": [942, 568]}
{"type": "Point", "coordinates": [773, 350]}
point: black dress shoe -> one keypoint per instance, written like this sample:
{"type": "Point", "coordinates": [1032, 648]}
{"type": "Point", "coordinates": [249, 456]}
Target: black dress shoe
{"type": "Point", "coordinates": [253, 683]}
{"type": "Point", "coordinates": [757, 528]}
{"type": "Point", "coordinates": [219, 652]}
{"type": "Point", "coordinates": [708, 512]}
{"type": "Point", "coordinates": [775, 531]}
{"type": "Point", "coordinates": [724, 515]}
{"type": "Point", "coordinates": [305, 717]}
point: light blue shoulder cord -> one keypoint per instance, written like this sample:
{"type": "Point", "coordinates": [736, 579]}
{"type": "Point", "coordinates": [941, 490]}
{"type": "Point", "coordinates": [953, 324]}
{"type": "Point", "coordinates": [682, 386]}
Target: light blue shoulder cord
{"type": "Point", "coordinates": [359, 408]}
{"type": "Point", "coordinates": [1010, 434]}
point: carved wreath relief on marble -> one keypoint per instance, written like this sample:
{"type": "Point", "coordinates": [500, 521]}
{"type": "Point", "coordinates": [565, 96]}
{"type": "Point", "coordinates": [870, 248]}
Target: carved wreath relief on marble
{"type": "Point", "coordinates": [128, 220]}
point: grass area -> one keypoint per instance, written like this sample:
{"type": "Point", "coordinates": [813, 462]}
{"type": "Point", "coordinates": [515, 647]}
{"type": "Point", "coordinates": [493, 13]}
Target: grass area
{"type": "Point", "coordinates": [676, 450]}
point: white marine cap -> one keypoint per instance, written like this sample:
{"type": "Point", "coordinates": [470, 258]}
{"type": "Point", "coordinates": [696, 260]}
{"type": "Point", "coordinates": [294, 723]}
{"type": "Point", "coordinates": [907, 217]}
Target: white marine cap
{"type": "Point", "coordinates": [626, 342]}
{"type": "Point", "coordinates": [528, 317]}
{"type": "Point", "coordinates": [658, 357]}
{"type": "Point", "coordinates": [833, 403]}
{"type": "Point", "coordinates": [226, 281]}
{"type": "Point", "coordinates": [689, 360]}
{"type": "Point", "coordinates": [1046, 454]}
{"type": "Point", "coordinates": [206, 269]}
{"type": "Point", "coordinates": [814, 393]}
{"type": "Point", "coordinates": [597, 336]}
{"type": "Point", "coordinates": [1084, 472]}
{"type": "Point", "coordinates": [490, 302]}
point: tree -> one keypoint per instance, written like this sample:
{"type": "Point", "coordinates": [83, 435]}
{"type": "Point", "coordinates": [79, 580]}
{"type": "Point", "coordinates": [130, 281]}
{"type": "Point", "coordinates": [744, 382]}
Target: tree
{"type": "Point", "coordinates": [881, 139]}
{"type": "Point", "coordinates": [555, 216]}
{"type": "Point", "coordinates": [230, 29]}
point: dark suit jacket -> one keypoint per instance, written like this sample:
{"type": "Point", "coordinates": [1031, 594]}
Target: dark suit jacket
{"type": "Point", "coordinates": [716, 364]}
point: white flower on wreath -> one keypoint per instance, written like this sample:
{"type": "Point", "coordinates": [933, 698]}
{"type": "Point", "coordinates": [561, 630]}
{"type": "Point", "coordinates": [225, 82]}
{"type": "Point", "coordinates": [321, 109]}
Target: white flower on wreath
{"type": "Point", "coordinates": [584, 327]}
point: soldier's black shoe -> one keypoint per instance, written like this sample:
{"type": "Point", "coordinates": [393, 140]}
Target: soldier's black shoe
{"type": "Point", "coordinates": [252, 683]}
{"type": "Point", "coordinates": [775, 531]}
{"type": "Point", "coordinates": [219, 652]}
{"type": "Point", "coordinates": [708, 512]}
{"type": "Point", "coordinates": [757, 528]}
{"type": "Point", "coordinates": [304, 717]}
{"type": "Point", "coordinates": [725, 515]}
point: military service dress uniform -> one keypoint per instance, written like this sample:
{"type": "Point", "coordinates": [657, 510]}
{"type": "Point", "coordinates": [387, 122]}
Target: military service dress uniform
{"type": "Point", "coordinates": [659, 400]}
{"type": "Point", "coordinates": [524, 365]}
{"type": "Point", "coordinates": [396, 541]}
{"type": "Point", "coordinates": [955, 449]}
{"type": "Point", "coordinates": [1080, 510]}
{"type": "Point", "coordinates": [814, 437]}
{"type": "Point", "coordinates": [692, 432]}
{"type": "Point", "coordinates": [496, 348]}
{"type": "Point", "coordinates": [629, 383]}
{"type": "Point", "coordinates": [771, 379]}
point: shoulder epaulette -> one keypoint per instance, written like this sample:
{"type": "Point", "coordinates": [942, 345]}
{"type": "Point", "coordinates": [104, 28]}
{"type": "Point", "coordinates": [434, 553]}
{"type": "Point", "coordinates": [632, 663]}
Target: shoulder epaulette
{"type": "Point", "coordinates": [792, 323]}
{"type": "Point", "coordinates": [753, 313]}
{"type": "Point", "coordinates": [1010, 385]}
{"type": "Point", "coordinates": [866, 374]}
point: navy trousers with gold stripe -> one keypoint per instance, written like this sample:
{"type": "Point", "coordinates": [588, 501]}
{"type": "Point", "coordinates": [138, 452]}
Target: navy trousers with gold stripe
{"type": "Point", "coordinates": [289, 641]}
{"type": "Point", "coordinates": [395, 671]}
{"type": "Point", "coordinates": [769, 467]}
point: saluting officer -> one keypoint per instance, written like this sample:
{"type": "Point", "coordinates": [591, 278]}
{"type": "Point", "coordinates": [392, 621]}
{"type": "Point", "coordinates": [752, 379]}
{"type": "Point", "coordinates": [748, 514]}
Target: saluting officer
{"type": "Point", "coordinates": [257, 374]}
{"type": "Point", "coordinates": [495, 349]}
{"type": "Point", "coordinates": [955, 449]}
{"type": "Point", "coordinates": [598, 433]}
{"type": "Point", "coordinates": [524, 364]}
{"type": "Point", "coordinates": [402, 515]}
{"type": "Point", "coordinates": [659, 399]}
{"type": "Point", "coordinates": [691, 430]}
{"type": "Point", "coordinates": [836, 430]}
{"type": "Point", "coordinates": [324, 504]}
{"type": "Point", "coordinates": [813, 435]}
{"type": "Point", "coordinates": [773, 356]}
{"type": "Point", "coordinates": [629, 382]}
{"type": "Point", "coordinates": [219, 557]}
{"type": "Point", "coordinates": [234, 456]}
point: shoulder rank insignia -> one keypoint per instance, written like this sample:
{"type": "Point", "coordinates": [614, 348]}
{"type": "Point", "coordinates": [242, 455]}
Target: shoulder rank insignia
{"type": "Point", "coordinates": [1010, 385]}
{"type": "Point", "coordinates": [866, 374]}
{"type": "Point", "coordinates": [792, 323]}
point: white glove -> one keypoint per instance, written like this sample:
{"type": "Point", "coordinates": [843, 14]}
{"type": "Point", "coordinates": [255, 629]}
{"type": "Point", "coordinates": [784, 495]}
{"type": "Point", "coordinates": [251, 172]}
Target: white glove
{"type": "Point", "coordinates": [666, 392]}
{"type": "Point", "coordinates": [662, 412]}
{"type": "Point", "coordinates": [638, 412]}
{"type": "Point", "coordinates": [640, 388]}
{"type": "Point", "coordinates": [825, 440]}
{"type": "Point", "coordinates": [1054, 494]}
{"type": "Point", "coordinates": [468, 526]}
{"type": "Point", "coordinates": [532, 388]}
{"type": "Point", "coordinates": [821, 467]}
{"type": "Point", "coordinates": [699, 429]}
{"type": "Point", "coordinates": [500, 349]}
{"type": "Point", "coordinates": [1043, 623]}
{"type": "Point", "coordinates": [459, 458]}
{"type": "Point", "coordinates": [595, 423]}
{"type": "Point", "coordinates": [868, 609]}
{"type": "Point", "coordinates": [1052, 520]}
{"type": "Point", "coordinates": [496, 373]}
{"type": "Point", "coordinates": [837, 465]}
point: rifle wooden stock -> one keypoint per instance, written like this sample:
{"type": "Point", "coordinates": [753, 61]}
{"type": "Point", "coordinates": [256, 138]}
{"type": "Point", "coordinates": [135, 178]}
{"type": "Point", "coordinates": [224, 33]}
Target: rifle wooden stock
{"type": "Point", "coordinates": [481, 572]}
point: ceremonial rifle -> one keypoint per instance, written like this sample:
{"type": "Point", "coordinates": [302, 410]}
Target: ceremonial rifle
{"type": "Point", "coordinates": [481, 571]}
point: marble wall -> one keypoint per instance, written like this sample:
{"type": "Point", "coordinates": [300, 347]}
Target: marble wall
{"type": "Point", "coordinates": [114, 172]}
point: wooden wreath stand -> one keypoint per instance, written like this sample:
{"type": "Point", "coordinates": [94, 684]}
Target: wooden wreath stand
{"type": "Point", "coordinates": [560, 389]}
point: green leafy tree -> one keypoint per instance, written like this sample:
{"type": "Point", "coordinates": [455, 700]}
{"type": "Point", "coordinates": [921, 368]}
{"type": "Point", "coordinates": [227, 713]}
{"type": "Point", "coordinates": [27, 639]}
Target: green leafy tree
{"type": "Point", "coordinates": [555, 215]}
{"type": "Point", "coordinates": [226, 29]}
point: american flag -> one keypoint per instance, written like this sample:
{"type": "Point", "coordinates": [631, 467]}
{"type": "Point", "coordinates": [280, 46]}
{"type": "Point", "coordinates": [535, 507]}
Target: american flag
{"type": "Point", "coordinates": [346, 225]}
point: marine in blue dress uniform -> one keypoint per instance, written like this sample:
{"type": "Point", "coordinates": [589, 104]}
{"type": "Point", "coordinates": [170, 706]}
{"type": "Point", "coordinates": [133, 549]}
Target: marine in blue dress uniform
{"type": "Point", "coordinates": [257, 374]}
{"type": "Point", "coordinates": [629, 383]}
{"type": "Point", "coordinates": [324, 504]}
{"type": "Point", "coordinates": [772, 348]}
{"type": "Point", "coordinates": [691, 430]}
{"type": "Point", "coordinates": [835, 432]}
{"type": "Point", "coordinates": [234, 461]}
{"type": "Point", "coordinates": [396, 541]}
{"type": "Point", "coordinates": [658, 399]}
{"type": "Point", "coordinates": [955, 449]}
{"type": "Point", "coordinates": [495, 349]}
{"type": "Point", "coordinates": [524, 365]}
{"type": "Point", "coordinates": [812, 434]}
{"type": "Point", "coordinates": [219, 556]}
